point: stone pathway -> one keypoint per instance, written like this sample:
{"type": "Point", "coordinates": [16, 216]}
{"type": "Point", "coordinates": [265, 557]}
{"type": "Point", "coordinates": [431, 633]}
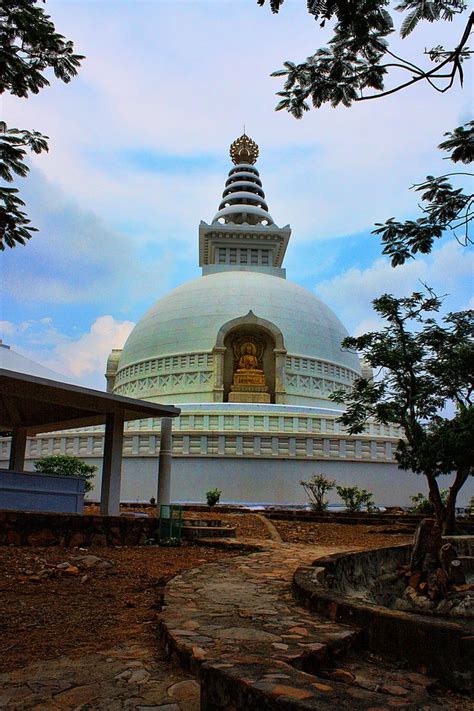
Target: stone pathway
{"type": "Point", "coordinates": [236, 623]}
{"type": "Point", "coordinates": [127, 677]}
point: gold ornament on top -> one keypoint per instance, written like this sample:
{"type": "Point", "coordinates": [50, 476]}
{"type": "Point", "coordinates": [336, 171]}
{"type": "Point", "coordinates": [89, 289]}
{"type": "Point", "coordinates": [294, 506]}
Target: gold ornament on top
{"type": "Point", "coordinates": [244, 150]}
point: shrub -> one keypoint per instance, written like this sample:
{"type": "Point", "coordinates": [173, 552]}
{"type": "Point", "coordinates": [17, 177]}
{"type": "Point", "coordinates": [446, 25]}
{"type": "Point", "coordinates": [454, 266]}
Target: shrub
{"type": "Point", "coordinates": [316, 488]}
{"type": "Point", "coordinates": [422, 505]}
{"type": "Point", "coordinates": [64, 465]}
{"type": "Point", "coordinates": [213, 496]}
{"type": "Point", "coordinates": [153, 501]}
{"type": "Point", "coordinates": [355, 499]}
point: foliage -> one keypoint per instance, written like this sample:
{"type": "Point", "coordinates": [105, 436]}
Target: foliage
{"type": "Point", "coordinates": [422, 367]}
{"type": "Point", "coordinates": [316, 488]}
{"type": "Point", "coordinates": [213, 496]}
{"type": "Point", "coordinates": [445, 207]}
{"type": "Point", "coordinates": [422, 505]}
{"type": "Point", "coordinates": [30, 46]}
{"type": "Point", "coordinates": [64, 465]}
{"type": "Point", "coordinates": [357, 61]}
{"type": "Point", "coordinates": [355, 499]}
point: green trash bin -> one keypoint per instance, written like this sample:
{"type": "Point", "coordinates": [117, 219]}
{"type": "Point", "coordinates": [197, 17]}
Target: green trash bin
{"type": "Point", "coordinates": [171, 521]}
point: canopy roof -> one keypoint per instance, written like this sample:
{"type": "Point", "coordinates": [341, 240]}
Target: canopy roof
{"type": "Point", "coordinates": [42, 405]}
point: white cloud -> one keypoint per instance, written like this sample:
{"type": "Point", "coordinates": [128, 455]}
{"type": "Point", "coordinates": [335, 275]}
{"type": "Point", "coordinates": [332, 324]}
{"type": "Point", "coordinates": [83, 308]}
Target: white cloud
{"type": "Point", "coordinates": [180, 93]}
{"type": "Point", "coordinates": [351, 293]}
{"type": "Point", "coordinates": [86, 357]}
{"type": "Point", "coordinates": [83, 357]}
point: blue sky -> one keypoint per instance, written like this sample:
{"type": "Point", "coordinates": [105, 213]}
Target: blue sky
{"type": "Point", "coordinates": [139, 155]}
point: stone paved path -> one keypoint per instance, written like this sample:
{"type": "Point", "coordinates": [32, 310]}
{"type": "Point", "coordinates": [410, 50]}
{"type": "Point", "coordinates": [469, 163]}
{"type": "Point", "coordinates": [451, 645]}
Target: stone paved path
{"type": "Point", "coordinates": [127, 677]}
{"type": "Point", "coordinates": [236, 622]}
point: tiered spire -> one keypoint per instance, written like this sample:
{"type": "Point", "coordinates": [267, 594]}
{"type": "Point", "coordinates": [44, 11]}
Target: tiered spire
{"type": "Point", "coordinates": [242, 234]}
{"type": "Point", "coordinates": [243, 199]}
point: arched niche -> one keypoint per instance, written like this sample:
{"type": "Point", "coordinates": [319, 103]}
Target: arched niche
{"type": "Point", "coordinates": [273, 356]}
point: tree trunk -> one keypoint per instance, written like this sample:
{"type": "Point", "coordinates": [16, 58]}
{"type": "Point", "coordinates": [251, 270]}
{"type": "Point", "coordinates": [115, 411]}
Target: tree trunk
{"type": "Point", "coordinates": [435, 498]}
{"type": "Point", "coordinates": [449, 523]}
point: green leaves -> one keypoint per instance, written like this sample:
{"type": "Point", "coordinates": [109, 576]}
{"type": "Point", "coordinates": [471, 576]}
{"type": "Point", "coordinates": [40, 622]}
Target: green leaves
{"type": "Point", "coordinates": [444, 207]}
{"type": "Point", "coordinates": [30, 45]}
{"type": "Point", "coordinates": [460, 143]}
{"type": "Point", "coordinates": [64, 465]}
{"type": "Point", "coordinates": [422, 365]}
{"type": "Point", "coordinates": [353, 64]}
{"type": "Point", "coordinates": [15, 227]}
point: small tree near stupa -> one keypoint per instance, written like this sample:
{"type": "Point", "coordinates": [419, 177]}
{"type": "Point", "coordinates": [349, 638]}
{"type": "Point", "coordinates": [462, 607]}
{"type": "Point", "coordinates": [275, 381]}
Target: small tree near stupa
{"type": "Point", "coordinates": [423, 384]}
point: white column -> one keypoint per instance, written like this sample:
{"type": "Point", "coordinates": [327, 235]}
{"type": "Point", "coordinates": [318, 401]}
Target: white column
{"type": "Point", "coordinates": [112, 465]}
{"type": "Point", "coordinates": [164, 463]}
{"type": "Point", "coordinates": [280, 380]}
{"type": "Point", "coordinates": [218, 357]}
{"type": "Point", "coordinates": [17, 449]}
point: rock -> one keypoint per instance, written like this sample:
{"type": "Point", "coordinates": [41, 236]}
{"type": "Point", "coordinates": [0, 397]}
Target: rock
{"type": "Point", "coordinates": [63, 566]}
{"type": "Point", "coordinates": [185, 690]}
{"type": "Point", "coordinates": [91, 561]}
{"type": "Point", "coordinates": [394, 690]}
{"type": "Point", "coordinates": [139, 676]}
{"type": "Point", "coordinates": [71, 570]}
{"type": "Point", "coordinates": [414, 580]}
{"type": "Point", "coordinates": [342, 675]}
{"type": "Point", "coordinates": [123, 676]}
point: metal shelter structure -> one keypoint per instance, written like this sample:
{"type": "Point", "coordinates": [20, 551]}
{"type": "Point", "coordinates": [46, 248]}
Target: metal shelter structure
{"type": "Point", "coordinates": [31, 405]}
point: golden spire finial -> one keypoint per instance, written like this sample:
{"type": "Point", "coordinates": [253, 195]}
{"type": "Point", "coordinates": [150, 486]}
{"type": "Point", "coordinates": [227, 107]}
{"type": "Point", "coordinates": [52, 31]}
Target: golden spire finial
{"type": "Point", "coordinates": [244, 150]}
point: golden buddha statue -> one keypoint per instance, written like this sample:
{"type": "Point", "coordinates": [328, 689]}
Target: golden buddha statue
{"type": "Point", "coordinates": [248, 359]}
{"type": "Point", "coordinates": [248, 384]}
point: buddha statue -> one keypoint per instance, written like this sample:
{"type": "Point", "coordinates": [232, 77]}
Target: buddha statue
{"type": "Point", "coordinates": [248, 383]}
{"type": "Point", "coordinates": [248, 360]}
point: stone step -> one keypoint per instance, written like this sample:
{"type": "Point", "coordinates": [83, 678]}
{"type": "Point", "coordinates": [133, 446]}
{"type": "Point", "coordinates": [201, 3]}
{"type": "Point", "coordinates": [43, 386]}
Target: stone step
{"type": "Point", "coordinates": [193, 532]}
{"type": "Point", "coordinates": [202, 522]}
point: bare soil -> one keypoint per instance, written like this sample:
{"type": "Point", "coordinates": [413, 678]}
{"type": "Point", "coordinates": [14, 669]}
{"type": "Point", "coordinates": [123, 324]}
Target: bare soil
{"type": "Point", "coordinates": [66, 614]}
{"type": "Point", "coordinates": [338, 534]}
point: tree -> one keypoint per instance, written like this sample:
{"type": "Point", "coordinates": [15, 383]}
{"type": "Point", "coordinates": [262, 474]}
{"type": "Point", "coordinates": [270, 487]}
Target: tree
{"type": "Point", "coordinates": [358, 59]}
{"type": "Point", "coordinates": [316, 489]}
{"type": "Point", "coordinates": [64, 465]}
{"type": "Point", "coordinates": [422, 367]}
{"type": "Point", "coordinates": [30, 46]}
{"type": "Point", "coordinates": [446, 208]}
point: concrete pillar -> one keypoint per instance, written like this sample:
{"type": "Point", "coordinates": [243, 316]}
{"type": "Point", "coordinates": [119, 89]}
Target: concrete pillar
{"type": "Point", "coordinates": [112, 465]}
{"type": "Point", "coordinates": [17, 449]}
{"type": "Point", "coordinates": [164, 463]}
{"type": "Point", "coordinates": [280, 380]}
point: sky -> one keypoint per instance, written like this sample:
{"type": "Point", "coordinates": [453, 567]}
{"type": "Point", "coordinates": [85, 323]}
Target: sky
{"type": "Point", "coordinates": [138, 156]}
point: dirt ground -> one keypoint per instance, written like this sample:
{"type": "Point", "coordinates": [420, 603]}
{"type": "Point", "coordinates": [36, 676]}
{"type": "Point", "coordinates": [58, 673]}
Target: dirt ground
{"type": "Point", "coordinates": [67, 614]}
{"type": "Point", "coordinates": [337, 534]}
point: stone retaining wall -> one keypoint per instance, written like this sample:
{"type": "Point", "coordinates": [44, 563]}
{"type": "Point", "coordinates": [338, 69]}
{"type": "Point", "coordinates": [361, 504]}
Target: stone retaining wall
{"type": "Point", "coordinates": [22, 528]}
{"type": "Point", "coordinates": [338, 587]}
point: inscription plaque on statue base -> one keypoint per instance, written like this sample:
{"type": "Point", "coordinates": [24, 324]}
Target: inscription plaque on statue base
{"type": "Point", "coordinates": [249, 393]}
{"type": "Point", "coordinates": [249, 397]}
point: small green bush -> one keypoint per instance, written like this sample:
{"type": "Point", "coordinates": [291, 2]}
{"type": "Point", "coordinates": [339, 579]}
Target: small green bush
{"type": "Point", "coordinates": [64, 465]}
{"type": "Point", "coordinates": [355, 499]}
{"type": "Point", "coordinates": [316, 488]}
{"type": "Point", "coordinates": [213, 496]}
{"type": "Point", "coordinates": [422, 505]}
